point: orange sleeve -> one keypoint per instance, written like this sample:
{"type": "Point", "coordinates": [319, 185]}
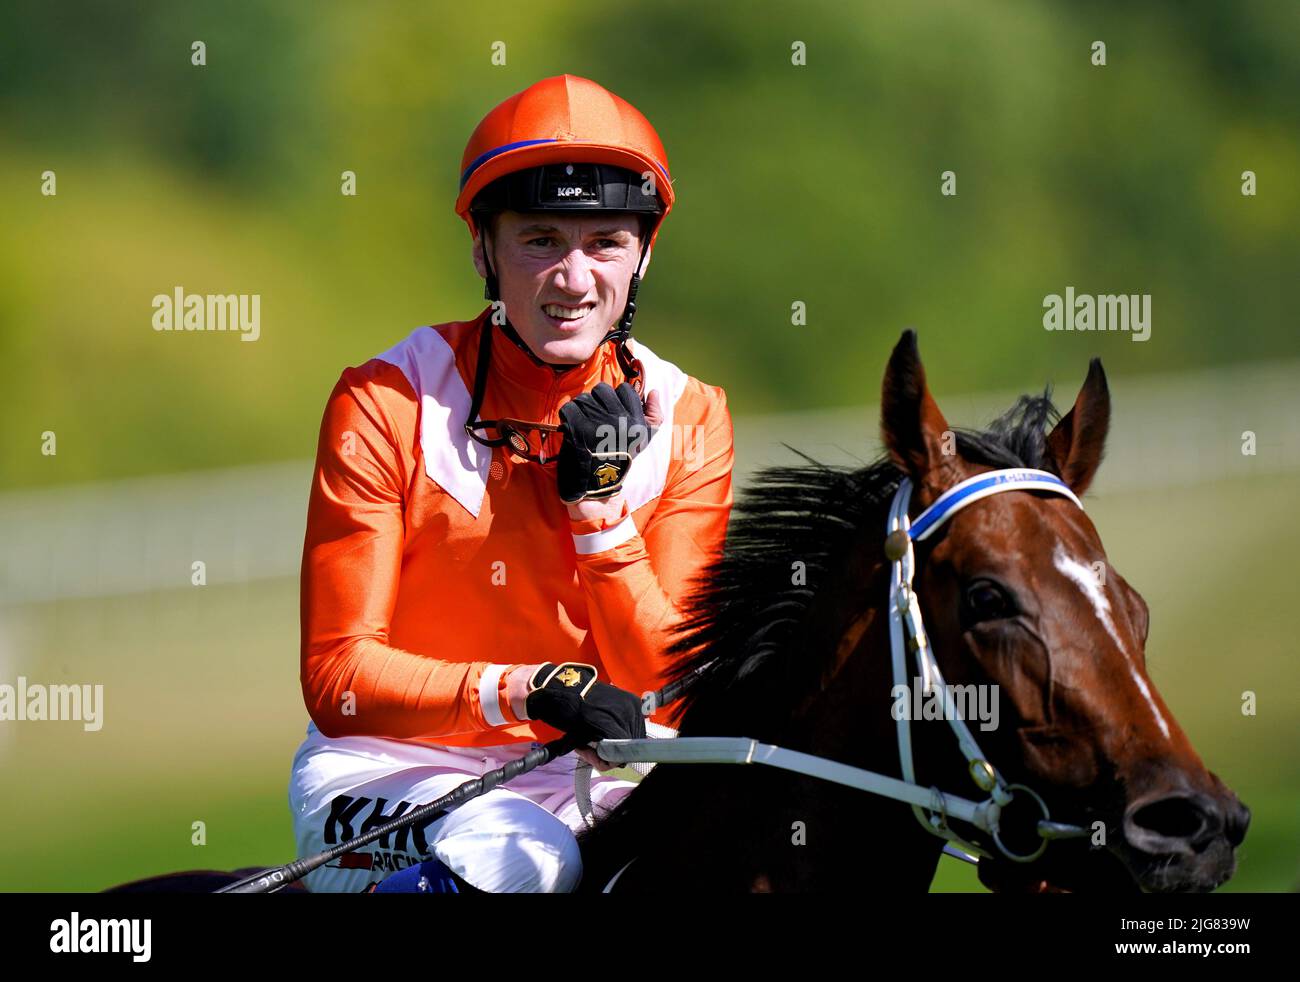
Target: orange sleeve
{"type": "Point", "coordinates": [635, 589]}
{"type": "Point", "coordinates": [353, 681]}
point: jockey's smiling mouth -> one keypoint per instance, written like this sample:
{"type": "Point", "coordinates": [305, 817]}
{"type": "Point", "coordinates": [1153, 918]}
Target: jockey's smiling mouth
{"type": "Point", "coordinates": [564, 280]}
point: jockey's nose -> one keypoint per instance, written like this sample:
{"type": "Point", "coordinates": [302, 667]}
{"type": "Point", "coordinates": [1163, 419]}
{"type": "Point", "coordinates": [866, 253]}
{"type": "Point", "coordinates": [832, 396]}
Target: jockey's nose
{"type": "Point", "coordinates": [575, 274]}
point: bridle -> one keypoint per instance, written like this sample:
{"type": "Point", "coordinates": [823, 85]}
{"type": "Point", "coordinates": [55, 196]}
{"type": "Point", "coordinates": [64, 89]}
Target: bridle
{"type": "Point", "coordinates": [907, 634]}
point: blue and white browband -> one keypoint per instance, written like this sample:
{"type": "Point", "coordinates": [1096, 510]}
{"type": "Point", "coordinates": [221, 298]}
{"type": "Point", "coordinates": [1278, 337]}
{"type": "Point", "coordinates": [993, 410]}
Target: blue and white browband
{"type": "Point", "coordinates": [981, 486]}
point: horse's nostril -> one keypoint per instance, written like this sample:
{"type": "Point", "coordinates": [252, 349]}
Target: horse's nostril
{"type": "Point", "coordinates": [1174, 823]}
{"type": "Point", "coordinates": [1238, 822]}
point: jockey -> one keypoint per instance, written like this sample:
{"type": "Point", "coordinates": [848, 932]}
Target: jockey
{"type": "Point", "coordinates": [506, 517]}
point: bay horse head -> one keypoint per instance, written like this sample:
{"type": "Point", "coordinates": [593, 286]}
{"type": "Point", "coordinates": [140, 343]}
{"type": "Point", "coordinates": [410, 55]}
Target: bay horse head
{"type": "Point", "coordinates": [1019, 593]}
{"type": "Point", "coordinates": [788, 640]}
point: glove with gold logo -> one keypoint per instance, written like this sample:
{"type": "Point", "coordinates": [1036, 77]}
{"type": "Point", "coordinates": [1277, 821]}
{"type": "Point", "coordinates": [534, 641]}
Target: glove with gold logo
{"type": "Point", "coordinates": [570, 698]}
{"type": "Point", "coordinates": [604, 430]}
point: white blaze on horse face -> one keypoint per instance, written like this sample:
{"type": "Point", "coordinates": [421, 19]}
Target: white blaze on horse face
{"type": "Point", "coordinates": [1086, 580]}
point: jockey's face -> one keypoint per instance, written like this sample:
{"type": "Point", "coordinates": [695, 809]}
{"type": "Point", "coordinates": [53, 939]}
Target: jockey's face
{"type": "Point", "coordinates": [582, 262]}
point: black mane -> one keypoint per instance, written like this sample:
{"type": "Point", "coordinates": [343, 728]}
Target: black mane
{"type": "Point", "coordinates": [749, 618]}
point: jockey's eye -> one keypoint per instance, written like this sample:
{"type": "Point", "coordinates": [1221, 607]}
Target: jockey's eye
{"type": "Point", "coordinates": [985, 600]}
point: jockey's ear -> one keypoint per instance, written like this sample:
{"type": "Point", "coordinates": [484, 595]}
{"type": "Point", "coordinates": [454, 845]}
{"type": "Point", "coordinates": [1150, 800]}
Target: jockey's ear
{"type": "Point", "coordinates": [914, 430]}
{"type": "Point", "coordinates": [1076, 444]}
{"type": "Point", "coordinates": [476, 253]}
{"type": "Point", "coordinates": [491, 223]}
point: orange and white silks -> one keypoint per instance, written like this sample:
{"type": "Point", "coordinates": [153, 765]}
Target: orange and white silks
{"type": "Point", "coordinates": [432, 564]}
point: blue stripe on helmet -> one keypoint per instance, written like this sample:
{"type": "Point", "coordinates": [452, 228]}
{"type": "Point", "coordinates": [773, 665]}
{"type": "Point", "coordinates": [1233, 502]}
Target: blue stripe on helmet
{"type": "Point", "coordinates": [483, 158]}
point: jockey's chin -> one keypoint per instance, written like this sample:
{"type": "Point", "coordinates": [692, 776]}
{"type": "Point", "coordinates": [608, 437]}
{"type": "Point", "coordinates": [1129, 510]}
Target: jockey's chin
{"type": "Point", "coordinates": [563, 345]}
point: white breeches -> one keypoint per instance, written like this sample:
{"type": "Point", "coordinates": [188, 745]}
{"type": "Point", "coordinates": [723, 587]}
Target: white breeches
{"type": "Point", "coordinates": [517, 838]}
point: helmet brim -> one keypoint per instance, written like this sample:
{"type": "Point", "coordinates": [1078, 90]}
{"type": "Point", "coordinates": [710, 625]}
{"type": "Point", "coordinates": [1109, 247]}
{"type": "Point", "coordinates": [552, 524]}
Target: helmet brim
{"type": "Point", "coordinates": [559, 152]}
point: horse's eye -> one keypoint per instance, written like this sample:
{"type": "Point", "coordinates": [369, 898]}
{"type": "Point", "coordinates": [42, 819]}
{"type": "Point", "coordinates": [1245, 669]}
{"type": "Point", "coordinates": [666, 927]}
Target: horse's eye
{"type": "Point", "coordinates": [985, 600]}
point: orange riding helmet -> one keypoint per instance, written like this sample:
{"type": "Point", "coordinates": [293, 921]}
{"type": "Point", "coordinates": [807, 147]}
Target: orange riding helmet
{"type": "Point", "coordinates": [561, 121]}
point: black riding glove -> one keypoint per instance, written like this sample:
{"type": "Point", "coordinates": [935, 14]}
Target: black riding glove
{"type": "Point", "coordinates": [603, 429]}
{"type": "Point", "coordinates": [569, 698]}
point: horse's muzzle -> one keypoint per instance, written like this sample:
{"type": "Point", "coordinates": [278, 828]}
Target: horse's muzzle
{"type": "Point", "coordinates": [1184, 840]}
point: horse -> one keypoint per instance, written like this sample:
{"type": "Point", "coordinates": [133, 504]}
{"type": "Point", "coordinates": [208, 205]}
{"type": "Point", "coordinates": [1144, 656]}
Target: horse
{"type": "Point", "coordinates": [786, 640]}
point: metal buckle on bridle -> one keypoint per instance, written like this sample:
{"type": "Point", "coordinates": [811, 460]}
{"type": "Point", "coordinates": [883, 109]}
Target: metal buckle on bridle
{"type": "Point", "coordinates": [996, 830]}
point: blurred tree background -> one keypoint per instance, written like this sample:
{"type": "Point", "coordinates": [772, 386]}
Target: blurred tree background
{"type": "Point", "coordinates": [817, 183]}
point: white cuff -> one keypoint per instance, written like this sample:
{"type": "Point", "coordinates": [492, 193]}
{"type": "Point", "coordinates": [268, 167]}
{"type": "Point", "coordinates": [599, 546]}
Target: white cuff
{"type": "Point", "coordinates": [594, 542]}
{"type": "Point", "coordinates": [488, 685]}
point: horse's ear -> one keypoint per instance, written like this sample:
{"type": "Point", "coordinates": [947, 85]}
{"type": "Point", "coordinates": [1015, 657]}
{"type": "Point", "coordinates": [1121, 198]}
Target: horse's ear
{"type": "Point", "coordinates": [914, 430]}
{"type": "Point", "coordinates": [1076, 444]}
